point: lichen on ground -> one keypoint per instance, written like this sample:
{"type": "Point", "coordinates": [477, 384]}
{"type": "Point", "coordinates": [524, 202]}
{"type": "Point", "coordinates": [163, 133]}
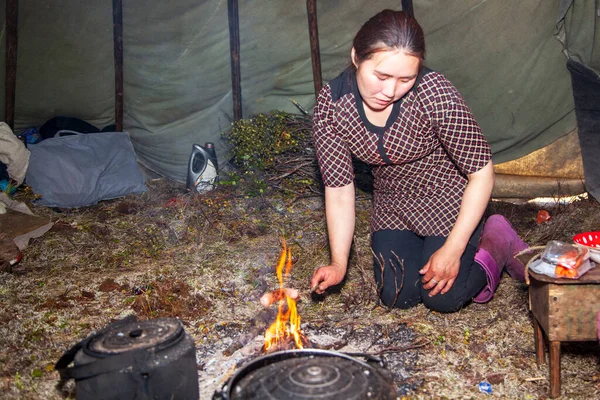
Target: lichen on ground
{"type": "Point", "coordinates": [207, 259]}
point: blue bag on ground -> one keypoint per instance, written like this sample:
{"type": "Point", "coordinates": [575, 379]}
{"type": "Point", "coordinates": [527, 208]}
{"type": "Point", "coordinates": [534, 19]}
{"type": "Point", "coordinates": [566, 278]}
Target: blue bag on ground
{"type": "Point", "coordinates": [80, 170]}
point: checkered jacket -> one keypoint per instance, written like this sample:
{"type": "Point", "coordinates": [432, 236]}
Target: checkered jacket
{"type": "Point", "coordinates": [420, 159]}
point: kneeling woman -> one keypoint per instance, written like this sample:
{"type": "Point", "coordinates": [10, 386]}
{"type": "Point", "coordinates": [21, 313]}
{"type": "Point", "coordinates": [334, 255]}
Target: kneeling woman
{"type": "Point", "coordinates": [432, 169]}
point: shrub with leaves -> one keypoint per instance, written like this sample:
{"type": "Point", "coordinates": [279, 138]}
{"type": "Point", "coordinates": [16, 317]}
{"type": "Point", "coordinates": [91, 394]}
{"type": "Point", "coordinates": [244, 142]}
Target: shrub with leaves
{"type": "Point", "coordinates": [256, 142]}
{"type": "Point", "coordinates": [272, 151]}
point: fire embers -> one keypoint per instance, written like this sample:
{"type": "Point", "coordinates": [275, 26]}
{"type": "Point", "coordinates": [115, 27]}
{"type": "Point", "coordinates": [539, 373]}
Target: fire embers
{"type": "Point", "coordinates": [284, 333]}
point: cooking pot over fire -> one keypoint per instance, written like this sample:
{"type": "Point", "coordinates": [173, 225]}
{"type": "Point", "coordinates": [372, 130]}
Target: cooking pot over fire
{"type": "Point", "coordinates": [308, 374]}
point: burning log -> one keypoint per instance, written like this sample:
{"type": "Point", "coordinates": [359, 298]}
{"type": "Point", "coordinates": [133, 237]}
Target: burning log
{"type": "Point", "coordinates": [277, 295]}
{"type": "Point", "coordinates": [285, 331]}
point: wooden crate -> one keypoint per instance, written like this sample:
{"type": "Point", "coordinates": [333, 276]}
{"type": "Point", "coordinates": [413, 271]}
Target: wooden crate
{"type": "Point", "coordinates": [564, 310]}
{"type": "Point", "coordinates": [567, 310]}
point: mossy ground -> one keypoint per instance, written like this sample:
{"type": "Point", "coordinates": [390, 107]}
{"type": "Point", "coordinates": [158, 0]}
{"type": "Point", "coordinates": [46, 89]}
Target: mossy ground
{"type": "Point", "coordinates": [208, 259]}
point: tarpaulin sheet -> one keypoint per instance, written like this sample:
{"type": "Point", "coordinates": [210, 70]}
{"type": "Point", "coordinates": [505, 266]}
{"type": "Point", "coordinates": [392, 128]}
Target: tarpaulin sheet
{"type": "Point", "coordinates": [501, 54]}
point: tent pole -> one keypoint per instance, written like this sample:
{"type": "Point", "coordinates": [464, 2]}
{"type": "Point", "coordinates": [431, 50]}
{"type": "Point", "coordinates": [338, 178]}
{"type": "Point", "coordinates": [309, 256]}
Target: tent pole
{"type": "Point", "coordinates": [407, 7]}
{"type": "Point", "coordinates": [12, 40]}
{"type": "Point", "coordinates": [118, 47]}
{"type": "Point", "coordinates": [234, 45]}
{"type": "Point", "coordinates": [311, 8]}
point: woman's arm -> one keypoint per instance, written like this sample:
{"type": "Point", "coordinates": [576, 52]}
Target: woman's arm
{"type": "Point", "coordinates": [340, 213]}
{"type": "Point", "coordinates": [444, 264]}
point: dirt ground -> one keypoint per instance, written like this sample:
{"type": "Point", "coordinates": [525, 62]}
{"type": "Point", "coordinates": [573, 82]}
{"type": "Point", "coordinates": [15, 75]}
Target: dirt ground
{"type": "Point", "coordinates": [208, 259]}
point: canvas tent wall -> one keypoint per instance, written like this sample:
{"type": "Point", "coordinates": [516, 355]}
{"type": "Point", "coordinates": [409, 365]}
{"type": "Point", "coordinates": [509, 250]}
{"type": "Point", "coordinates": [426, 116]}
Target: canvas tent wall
{"type": "Point", "coordinates": [503, 56]}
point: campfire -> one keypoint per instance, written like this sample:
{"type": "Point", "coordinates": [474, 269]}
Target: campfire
{"type": "Point", "coordinates": [292, 367]}
{"type": "Point", "coordinates": [284, 333]}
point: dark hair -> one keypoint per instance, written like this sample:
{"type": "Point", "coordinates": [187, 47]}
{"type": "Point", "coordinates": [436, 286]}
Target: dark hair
{"type": "Point", "coordinates": [389, 30]}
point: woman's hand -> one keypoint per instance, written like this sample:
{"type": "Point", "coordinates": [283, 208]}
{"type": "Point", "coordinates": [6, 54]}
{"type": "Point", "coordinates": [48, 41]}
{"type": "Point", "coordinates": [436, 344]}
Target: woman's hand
{"type": "Point", "coordinates": [441, 270]}
{"type": "Point", "coordinates": [327, 276]}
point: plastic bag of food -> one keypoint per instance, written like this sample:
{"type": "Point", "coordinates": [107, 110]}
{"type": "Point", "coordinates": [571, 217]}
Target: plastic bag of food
{"type": "Point", "coordinates": [562, 260]}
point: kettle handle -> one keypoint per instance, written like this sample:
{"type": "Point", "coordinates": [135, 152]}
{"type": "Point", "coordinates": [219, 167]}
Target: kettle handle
{"type": "Point", "coordinates": [80, 372]}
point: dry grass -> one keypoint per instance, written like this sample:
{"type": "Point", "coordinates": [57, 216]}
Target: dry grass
{"type": "Point", "coordinates": [208, 259]}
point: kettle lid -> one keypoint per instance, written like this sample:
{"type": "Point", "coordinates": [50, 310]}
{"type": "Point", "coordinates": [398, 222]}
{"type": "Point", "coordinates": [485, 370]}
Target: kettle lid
{"type": "Point", "coordinates": [160, 332]}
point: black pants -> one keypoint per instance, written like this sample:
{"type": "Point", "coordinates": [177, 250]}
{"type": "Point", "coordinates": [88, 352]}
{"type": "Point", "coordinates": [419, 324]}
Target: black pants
{"type": "Point", "coordinates": [404, 253]}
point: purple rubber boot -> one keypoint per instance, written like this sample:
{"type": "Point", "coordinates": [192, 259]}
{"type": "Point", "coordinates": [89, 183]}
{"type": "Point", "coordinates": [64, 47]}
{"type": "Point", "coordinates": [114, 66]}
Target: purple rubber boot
{"type": "Point", "coordinates": [497, 248]}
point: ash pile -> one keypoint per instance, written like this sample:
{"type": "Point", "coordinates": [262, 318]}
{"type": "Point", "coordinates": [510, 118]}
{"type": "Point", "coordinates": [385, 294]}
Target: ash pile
{"type": "Point", "coordinates": [391, 351]}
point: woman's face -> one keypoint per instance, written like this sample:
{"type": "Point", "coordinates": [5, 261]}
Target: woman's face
{"type": "Point", "coordinates": [385, 77]}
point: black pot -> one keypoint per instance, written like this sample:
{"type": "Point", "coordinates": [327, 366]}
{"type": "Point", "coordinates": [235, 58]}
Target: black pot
{"type": "Point", "coordinates": [308, 374]}
{"type": "Point", "coordinates": [131, 359]}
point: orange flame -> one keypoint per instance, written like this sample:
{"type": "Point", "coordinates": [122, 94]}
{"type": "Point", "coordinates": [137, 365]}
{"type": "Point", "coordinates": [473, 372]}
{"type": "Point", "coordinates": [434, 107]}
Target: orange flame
{"type": "Point", "coordinates": [287, 323]}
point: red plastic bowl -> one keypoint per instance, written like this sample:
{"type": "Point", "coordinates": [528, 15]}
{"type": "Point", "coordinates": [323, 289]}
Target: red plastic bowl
{"type": "Point", "coordinates": [588, 239]}
{"type": "Point", "coordinates": [591, 241]}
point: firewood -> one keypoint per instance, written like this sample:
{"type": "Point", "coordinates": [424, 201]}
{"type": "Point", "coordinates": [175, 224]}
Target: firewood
{"type": "Point", "coordinates": [279, 294]}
